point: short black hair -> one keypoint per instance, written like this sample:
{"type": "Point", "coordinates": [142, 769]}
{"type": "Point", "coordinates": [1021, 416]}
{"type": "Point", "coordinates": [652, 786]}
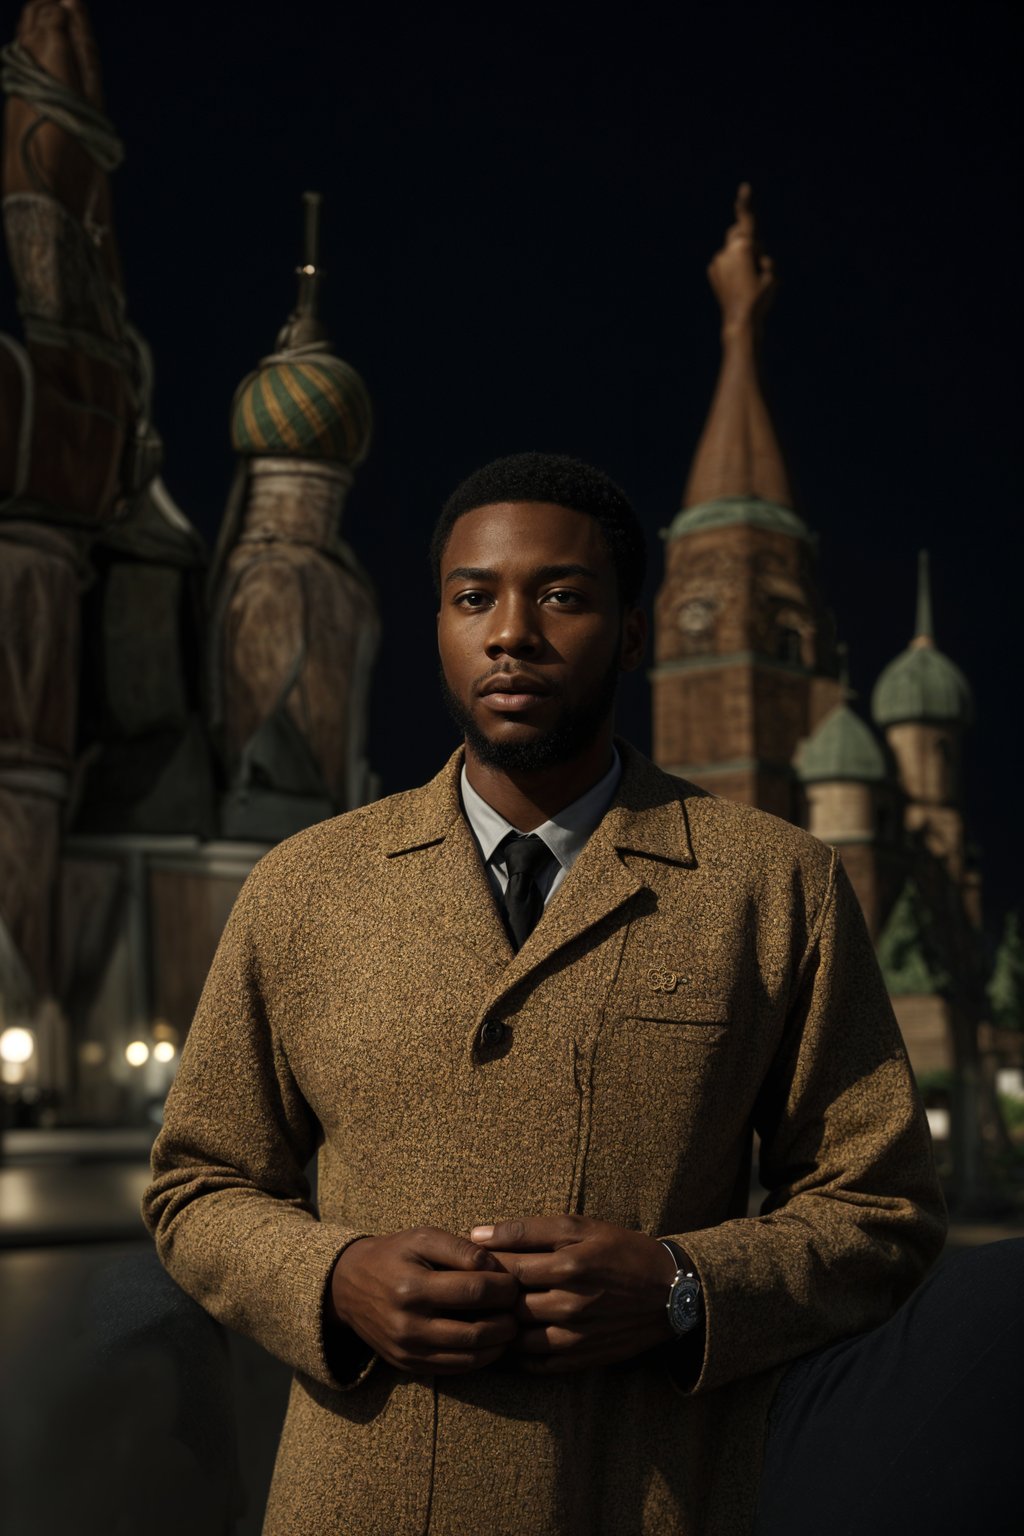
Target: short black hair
{"type": "Point", "coordinates": [565, 482]}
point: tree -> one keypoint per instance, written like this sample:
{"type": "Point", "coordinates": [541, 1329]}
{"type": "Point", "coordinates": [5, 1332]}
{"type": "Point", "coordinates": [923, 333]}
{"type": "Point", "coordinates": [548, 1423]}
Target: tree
{"type": "Point", "coordinates": [1006, 984]}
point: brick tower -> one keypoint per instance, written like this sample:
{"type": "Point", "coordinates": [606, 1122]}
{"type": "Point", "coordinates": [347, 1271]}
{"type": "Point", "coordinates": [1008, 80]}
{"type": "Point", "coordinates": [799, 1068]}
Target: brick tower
{"type": "Point", "coordinates": [745, 662]}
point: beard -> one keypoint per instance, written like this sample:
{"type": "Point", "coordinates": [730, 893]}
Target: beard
{"type": "Point", "coordinates": [572, 733]}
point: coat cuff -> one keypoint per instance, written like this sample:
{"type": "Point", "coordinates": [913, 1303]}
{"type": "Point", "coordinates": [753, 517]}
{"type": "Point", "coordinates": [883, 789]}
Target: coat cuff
{"type": "Point", "coordinates": [346, 1358]}
{"type": "Point", "coordinates": [686, 1358]}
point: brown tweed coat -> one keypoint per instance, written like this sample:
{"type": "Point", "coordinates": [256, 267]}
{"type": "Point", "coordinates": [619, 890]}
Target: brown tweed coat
{"type": "Point", "coordinates": [704, 971]}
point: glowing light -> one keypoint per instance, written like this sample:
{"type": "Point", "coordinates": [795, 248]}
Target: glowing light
{"type": "Point", "coordinates": [12, 1072]}
{"type": "Point", "coordinates": [308, 270]}
{"type": "Point", "coordinates": [163, 1050]}
{"type": "Point", "coordinates": [136, 1054]}
{"type": "Point", "coordinates": [938, 1123]}
{"type": "Point", "coordinates": [164, 1031]}
{"type": "Point", "coordinates": [17, 1045]}
{"type": "Point", "coordinates": [92, 1053]}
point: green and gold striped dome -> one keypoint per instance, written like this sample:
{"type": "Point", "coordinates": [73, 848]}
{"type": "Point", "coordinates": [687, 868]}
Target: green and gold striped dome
{"type": "Point", "coordinates": [312, 406]}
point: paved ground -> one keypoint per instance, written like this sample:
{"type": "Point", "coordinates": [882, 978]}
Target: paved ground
{"type": "Point", "coordinates": [92, 1409]}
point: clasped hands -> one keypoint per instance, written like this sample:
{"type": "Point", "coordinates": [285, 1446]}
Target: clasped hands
{"type": "Point", "coordinates": [561, 1292]}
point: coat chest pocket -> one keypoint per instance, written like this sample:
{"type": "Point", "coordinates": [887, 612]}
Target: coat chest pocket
{"type": "Point", "coordinates": [659, 1116]}
{"type": "Point", "coordinates": [684, 1014]}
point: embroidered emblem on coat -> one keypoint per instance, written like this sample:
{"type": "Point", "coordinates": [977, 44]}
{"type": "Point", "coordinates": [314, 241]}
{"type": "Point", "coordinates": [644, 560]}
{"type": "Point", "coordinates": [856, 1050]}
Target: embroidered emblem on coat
{"type": "Point", "coordinates": [664, 981]}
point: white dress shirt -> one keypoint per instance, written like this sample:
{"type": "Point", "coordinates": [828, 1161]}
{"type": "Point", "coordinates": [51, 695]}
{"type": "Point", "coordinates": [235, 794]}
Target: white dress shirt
{"type": "Point", "coordinates": [565, 834]}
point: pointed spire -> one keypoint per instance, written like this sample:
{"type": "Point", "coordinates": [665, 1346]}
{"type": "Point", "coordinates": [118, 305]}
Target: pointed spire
{"type": "Point", "coordinates": [309, 273]}
{"type": "Point", "coordinates": [738, 457]}
{"type": "Point", "coordinates": [304, 326]}
{"type": "Point", "coordinates": [924, 629]}
{"type": "Point", "coordinates": [843, 658]}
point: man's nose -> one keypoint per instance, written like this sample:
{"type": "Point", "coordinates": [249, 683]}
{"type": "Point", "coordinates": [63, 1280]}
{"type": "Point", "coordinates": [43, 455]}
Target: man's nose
{"type": "Point", "coordinates": [514, 629]}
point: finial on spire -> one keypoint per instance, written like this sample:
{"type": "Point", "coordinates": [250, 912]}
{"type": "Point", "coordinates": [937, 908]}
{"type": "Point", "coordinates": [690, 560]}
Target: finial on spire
{"type": "Point", "coordinates": [738, 455]}
{"type": "Point", "coordinates": [304, 328]}
{"type": "Point", "coordinates": [843, 658]}
{"type": "Point", "coordinates": [309, 272]}
{"type": "Point", "coordinates": [924, 630]}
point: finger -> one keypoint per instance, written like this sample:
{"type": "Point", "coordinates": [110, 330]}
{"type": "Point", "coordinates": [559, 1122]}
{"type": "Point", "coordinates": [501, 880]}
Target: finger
{"type": "Point", "coordinates": [551, 1350]}
{"type": "Point", "coordinates": [537, 1308]}
{"type": "Point", "coordinates": [451, 1291]}
{"type": "Point", "coordinates": [449, 1335]}
{"type": "Point", "coordinates": [532, 1233]}
{"type": "Point", "coordinates": [744, 208]}
{"type": "Point", "coordinates": [446, 1250]}
{"type": "Point", "coordinates": [736, 235]}
{"type": "Point", "coordinates": [556, 1339]}
{"type": "Point", "coordinates": [563, 1268]}
{"type": "Point", "coordinates": [549, 1340]}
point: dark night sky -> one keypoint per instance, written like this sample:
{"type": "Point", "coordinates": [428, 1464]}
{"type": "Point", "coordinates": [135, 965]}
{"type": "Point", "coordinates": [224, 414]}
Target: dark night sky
{"type": "Point", "coordinates": [519, 213]}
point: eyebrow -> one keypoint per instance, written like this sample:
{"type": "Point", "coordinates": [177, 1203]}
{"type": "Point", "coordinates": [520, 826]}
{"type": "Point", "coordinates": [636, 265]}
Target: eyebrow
{"type": "Point", "coordinates": [542, 573]}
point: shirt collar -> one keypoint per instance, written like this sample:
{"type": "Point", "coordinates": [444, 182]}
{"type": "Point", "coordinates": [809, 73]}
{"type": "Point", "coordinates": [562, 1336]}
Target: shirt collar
{"type": "Point", "coordinates": [566, 832]}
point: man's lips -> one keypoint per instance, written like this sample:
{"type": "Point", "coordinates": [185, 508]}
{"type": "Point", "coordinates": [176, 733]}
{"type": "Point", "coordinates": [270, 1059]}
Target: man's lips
{"type": "Point", "coordinates": [515, 690]}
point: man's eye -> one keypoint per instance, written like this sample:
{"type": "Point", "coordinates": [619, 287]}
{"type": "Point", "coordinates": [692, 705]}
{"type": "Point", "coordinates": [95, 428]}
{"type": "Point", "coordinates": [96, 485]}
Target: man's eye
{"type": "Point", "coordinates": [471, 599]}
{"type": "Point", "coordinates": [562, 598]}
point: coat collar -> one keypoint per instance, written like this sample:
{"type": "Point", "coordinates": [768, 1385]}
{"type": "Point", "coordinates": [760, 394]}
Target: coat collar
{"type": "Point", "coordinates": [647, 819]}
{"type": "Point", "coordinates": [647, 815]}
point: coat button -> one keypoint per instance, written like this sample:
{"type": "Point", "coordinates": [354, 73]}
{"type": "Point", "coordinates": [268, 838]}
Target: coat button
{"type": "Point", "coordinates": [492, 1033]}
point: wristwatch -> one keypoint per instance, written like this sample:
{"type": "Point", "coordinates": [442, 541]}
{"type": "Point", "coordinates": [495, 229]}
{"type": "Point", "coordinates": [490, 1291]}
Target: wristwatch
{"type": "Point", "coordinates": [685, 1305]}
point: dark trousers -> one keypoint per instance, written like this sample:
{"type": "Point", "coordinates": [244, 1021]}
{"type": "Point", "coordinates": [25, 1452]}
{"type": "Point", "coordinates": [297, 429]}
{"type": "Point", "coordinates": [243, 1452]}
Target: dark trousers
{"type": "Point", "coordinates": [917, 1426]}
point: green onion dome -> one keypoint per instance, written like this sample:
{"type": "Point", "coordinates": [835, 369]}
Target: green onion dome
{"type": "Point", "coordinates": [304, 403]}
{"type": "Point", "coordinates": [842, 747]}
{"type": "Point", "coordinates": [922, 684]}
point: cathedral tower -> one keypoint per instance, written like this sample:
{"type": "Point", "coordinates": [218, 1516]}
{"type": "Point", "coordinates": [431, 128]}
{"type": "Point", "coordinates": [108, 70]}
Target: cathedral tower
{"type": "Point", "coordinates": [923, 703]}
{"type": "Point", "coordinates": [744, 657]}
{"type": "Point", "coordinates": [850, 804]}
{"type": "Point", "coordinates": [294, 622]}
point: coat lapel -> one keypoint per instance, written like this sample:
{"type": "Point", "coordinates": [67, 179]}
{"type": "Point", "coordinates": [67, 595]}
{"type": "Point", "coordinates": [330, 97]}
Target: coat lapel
{"type": "Point", "coordinates": [430, 847]}
{"type": "Point", "coordinates": [646, 820]}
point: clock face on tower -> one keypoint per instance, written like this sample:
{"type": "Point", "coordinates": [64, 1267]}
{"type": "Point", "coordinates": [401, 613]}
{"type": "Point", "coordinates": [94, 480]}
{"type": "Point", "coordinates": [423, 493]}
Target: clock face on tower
{"type": "Point", "coordinates": [695, 615]}
{"type": "Point", "coordinates": [695, 618]}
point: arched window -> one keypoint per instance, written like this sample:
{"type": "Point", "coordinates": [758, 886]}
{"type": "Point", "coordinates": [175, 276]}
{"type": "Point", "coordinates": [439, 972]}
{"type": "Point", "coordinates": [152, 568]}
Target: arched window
{"type": "Point", "coordinates": [787, 644]}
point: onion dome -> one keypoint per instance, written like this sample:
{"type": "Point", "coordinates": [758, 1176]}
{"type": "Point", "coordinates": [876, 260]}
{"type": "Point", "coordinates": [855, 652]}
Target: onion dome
{"type": "Point", "coordinates": [724, 511]}
{"type": "Point", "coordinates": [922, 684]}
{"type": "Point", "coordinates": [842, 747]}
{"type": "Point", "coordinates": [307, 404]}
{"type": "Point", "coordinates": [303, 401]}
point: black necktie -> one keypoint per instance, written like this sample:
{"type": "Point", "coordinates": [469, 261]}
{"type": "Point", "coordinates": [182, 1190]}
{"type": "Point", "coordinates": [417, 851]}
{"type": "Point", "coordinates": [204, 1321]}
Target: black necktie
{"type": "Point", "coordinates": [525, 857]}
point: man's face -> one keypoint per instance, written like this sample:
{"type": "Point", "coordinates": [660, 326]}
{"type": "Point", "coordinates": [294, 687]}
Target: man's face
{"type": "Point", "coordinates": [532, 633]}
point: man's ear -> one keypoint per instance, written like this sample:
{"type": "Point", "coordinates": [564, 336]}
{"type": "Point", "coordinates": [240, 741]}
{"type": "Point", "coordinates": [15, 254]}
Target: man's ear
{"type": "Point", "coordinates": [634, 639]}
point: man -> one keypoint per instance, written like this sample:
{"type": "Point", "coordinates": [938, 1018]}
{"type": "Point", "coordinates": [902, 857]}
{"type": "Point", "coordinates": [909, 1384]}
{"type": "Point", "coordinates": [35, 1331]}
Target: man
{"type": "Point", "coordinates": [526, 1061]}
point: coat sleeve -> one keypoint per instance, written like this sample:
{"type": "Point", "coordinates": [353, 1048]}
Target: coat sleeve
{"type": "Point", "coordinates": [229, 1204]}
{"type": "Point", "coordinates": [854, 1213]}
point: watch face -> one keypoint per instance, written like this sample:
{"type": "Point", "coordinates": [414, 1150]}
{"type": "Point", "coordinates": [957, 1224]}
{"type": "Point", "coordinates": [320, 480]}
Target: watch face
{"type": "Point", "coordinates": [684, 1306]}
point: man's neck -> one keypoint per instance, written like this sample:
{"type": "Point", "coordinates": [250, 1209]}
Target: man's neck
{"type": "Point", "coordinates": [527, 800]}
